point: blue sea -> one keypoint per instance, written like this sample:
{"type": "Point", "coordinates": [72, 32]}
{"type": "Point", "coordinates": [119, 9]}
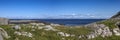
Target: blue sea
{"type": "Point", "coordinates": [71, 22]}
{"type": "Point", "coordinates": [67, 22]}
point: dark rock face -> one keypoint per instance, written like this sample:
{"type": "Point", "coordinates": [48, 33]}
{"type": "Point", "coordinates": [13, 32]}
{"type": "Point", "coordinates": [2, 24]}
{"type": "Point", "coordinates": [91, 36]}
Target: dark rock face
{"type": "Point", "coordinates": [117, 15]}
{"type": "Point", "coordinates": [118, 24]}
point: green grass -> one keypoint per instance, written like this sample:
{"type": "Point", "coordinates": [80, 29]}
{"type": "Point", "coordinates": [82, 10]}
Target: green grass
{"type": "Point", "coordinates": [107, 38]}
{"type": "Point", "coordinates": [52, 35]}
{"type": "Point", "coordinates": [74, 30]}
{"type": "Point", "coordinates": [110, 23]}
{"type": "Point", "coordinates": [46, 35]}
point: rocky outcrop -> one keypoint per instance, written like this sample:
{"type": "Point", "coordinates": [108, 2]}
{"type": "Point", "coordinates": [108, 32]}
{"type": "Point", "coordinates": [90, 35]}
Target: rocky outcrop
{"type": "Point", "coordinates": [116, 31]}
{"type": "Point", "coordinates": [27, 34]}
{"type": "Point", "coordinates": [118, 24]}
{"type": "Point", "coordinates": [3, 33]}
{"type": "Point", "coordinates": [99, 30]}
{"type": "Point", "coordinates": [4, 21]}
{"type": "Point", "coordinates": [16, 27]}
{"type": "Point", "coordinates": [103, 30]}
{"type": "Point", "coordinates": [48, 27]}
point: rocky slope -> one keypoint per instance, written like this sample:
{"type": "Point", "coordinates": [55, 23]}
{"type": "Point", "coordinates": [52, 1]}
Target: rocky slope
{"type": "Point", "coordinates": [106, 28]}
{"type": "Point", "coordinates": [103, 30]}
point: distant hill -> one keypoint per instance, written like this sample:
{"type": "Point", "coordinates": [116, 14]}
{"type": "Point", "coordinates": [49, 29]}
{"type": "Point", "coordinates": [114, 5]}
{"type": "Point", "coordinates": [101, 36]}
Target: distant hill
{"type": "Point", "coordinates": [117, 15]}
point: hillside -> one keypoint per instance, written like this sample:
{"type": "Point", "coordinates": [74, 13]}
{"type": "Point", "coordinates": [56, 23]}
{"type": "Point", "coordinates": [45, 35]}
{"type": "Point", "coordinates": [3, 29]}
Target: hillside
{"type": "Point", "coordinates": [117, 15]}
{"type": "Point", "coordinates": [43, 32]}
{"type": "Point", "coordinates": [103, 30]}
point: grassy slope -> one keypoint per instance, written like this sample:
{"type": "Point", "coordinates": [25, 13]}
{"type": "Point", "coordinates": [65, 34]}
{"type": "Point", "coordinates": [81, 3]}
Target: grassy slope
{"type": "Point", "coordinates": [51, 35]}
{"type": "Point", "coordinates": [111, 24]}
{"type": "Point", "coordinates": [46, 35]}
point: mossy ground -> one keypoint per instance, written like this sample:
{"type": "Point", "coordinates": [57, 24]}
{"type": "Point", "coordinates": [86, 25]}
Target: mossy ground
{"type": "Point", "coordinates": [46, 35]}
{"type": "Point", "coordinates": [107, 38]}
{"type": "Point", "coordinates": [110, 23]}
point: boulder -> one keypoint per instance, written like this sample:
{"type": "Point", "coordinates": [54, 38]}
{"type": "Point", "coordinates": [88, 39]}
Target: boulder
{"type": "Point", "coordinates": [116, 31]}
{"type": "Point", "coordinates": [3, 33]}
{"type": "Point", "coordinates": [49, 27]}
{"type": "Point", "coordinates": [54, 24]}
{"type": "Point", "coordinates": [28, 34]}
{"type": "Point", "coordinates": [64, 34]}
{"type": "Point", "coordinates": [99, 30]}
{"type": "Point", "coordinates": [16, 27]}
{"type": "Point", "coordinates": [4, 21]}
{"type": "Point", "coordinates": [118, 24]}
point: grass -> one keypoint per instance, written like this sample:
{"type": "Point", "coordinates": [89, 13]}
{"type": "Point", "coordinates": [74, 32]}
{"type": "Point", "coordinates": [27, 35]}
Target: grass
{"type": "Point", "coordinates": [52, 35]}
{"type": "Point", "coordinates": [45, 35]}
{"type": "Point", "coordinates": [108, 38]}
{"type": "Point", "coordinates": [110, 23]}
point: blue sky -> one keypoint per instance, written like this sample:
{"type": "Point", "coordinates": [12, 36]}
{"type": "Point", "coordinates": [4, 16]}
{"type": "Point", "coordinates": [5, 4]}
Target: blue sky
{"type": "Point", "coordinates": [77, 9]}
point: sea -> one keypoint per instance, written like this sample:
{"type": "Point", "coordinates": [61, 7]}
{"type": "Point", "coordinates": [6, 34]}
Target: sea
{"type": "Point", "coordinates": [67, 22]}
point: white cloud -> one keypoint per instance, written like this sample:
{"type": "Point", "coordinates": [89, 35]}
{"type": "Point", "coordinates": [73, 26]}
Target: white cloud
{"type": "Point", "coordinates": [79, 16]}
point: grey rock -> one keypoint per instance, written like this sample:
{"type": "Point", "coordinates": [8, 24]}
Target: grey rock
{"type": "Point", "coordinates": [4, 21]}
{"type": "Point", "coordinates": [116, 31]}
{"type": "Point", "coordinates": [16, 27]}
{"type": "Point", "coordinates": [3, 33]}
